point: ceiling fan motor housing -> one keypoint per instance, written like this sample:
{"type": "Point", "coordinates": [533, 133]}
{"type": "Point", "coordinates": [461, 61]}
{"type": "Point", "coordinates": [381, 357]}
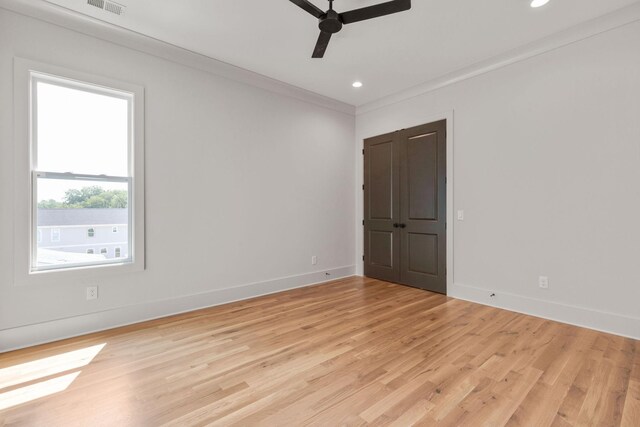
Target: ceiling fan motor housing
{"type": "Point", "coordinates": [330, 22]}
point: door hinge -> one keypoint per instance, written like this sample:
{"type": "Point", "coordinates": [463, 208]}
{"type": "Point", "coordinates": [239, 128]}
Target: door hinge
{"type": "Point", "coordinates": [363, 151]}
{"type": "Point", "coordinates": [363, 186]}
{"type": "Point", "coordinates": [363, 257]}
{"type": "Point", "coordinates": [363, 222]}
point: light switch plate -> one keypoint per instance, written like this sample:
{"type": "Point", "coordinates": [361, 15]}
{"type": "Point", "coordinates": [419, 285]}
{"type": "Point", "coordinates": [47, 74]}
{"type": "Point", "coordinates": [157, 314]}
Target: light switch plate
{"type": "Point", "coordinates": [460, 215]}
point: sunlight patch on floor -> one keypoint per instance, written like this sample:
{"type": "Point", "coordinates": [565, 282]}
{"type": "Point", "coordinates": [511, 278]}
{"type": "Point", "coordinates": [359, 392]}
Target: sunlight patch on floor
{"type": "Point", "coordinates": [47, 366]}
{"type": "Point", "coordinates": [36, 391]}
{"type": "Point", "coordinates": [41, 368]}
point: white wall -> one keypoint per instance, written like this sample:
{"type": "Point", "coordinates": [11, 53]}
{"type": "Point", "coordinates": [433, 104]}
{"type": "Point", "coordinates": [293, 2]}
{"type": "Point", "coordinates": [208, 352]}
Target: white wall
{"type": "Point", "coordinates": [243, 186]}
{"type": "Point", "coordinates": [547, 170]}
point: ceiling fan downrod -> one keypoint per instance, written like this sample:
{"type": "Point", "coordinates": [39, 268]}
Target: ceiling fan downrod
{"type": "Point", "coordinates": [330, 22]}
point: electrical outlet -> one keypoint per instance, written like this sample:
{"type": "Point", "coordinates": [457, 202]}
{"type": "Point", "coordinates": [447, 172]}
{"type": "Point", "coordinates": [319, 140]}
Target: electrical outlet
{"type": "Point", "coordinates": [314, 260]}
{"type": "Point", "coordinates": [460, 215]}
{"type": "Point", "coordinates": [92, 292]}
{"type": "Point", "coordinates": [543, 282]}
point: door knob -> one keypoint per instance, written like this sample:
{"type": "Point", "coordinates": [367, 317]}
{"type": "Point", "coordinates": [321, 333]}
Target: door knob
{"type": "Point", "coordinates": [396, 225]}
{"type": "Point", "coordinates": [403, 225]}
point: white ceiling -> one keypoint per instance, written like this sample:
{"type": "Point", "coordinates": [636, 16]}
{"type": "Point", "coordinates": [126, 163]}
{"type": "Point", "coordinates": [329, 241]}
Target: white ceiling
{"type": "Point", "coordinates": [276, 38]}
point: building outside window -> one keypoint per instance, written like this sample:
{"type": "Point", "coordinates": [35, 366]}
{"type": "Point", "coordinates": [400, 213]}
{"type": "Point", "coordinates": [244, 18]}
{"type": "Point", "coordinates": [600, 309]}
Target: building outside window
{"type": "Point", "coordinates": [91, 232]}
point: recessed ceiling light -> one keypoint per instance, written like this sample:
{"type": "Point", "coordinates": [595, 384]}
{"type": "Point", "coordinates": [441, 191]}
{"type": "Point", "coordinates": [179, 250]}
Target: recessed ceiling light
{"type": "Point", "coordinates": [538, 3]}
{"type": "Point", "coordinates": [357, 84]}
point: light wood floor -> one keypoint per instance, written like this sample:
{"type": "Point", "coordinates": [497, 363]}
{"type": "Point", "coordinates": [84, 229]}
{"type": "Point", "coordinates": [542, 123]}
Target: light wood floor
{"type": "Point", "coordinates": [352, 352]}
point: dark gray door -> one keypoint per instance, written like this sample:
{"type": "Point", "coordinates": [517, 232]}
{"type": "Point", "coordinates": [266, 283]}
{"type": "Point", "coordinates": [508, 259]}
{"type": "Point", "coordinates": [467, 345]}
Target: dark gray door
{"type": "Point", "coordinates": [405, 207]}
{"type": "Point", "coordinates": [382, 210]}
{"type": "Point", "coordinates": [423, 210]}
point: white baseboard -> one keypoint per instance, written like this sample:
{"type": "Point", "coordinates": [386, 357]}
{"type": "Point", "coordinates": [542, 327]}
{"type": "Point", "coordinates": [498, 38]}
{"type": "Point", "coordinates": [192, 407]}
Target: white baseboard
{"type": "Point", "coordinates": [40, 333]}
{"type": "Point", "coordinates": [612, 323]}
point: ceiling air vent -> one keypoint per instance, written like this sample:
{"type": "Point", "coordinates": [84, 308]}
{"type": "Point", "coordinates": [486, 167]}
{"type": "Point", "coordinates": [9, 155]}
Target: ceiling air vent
{"type": "Point", "coordinates": [107, 5]}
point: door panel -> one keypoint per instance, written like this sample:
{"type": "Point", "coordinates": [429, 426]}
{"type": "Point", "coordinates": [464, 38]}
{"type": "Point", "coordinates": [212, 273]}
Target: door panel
{"type": "Point", "coordinates": [422, 171]}
{"type": "Point", "coordinates": [381, 181]}
{"type": "Point", "coordinates": [423, 253]}
{"type": "Point", "coordinates": [381, 248]}
{"type": "Point", "coordinates": [382, 252]}
{"type": "Point", "coordinates": [423, 207]}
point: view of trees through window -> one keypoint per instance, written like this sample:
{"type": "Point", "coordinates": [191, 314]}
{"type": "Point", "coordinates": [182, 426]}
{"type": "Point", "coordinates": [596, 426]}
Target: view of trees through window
{"type": "Point", "coordinates": [87, 198]}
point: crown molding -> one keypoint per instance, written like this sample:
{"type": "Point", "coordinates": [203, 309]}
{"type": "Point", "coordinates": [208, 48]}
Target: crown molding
{"type": "Point", "coordinates": [75, 21]}
{"type": "Point", "coordinates": [602, 24]}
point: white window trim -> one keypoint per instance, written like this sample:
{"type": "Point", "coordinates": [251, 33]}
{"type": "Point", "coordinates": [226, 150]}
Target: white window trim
{"type": "Point", "coordinates": [25, 234]}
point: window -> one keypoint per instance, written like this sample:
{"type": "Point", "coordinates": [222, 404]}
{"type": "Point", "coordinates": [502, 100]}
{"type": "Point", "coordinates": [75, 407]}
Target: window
{"type": "Point", "coordinates": [89, 251]}
{"type": "Point", "coordinates": [39, 236]}
{"type": "Point", "coordinates": [79, 153]}
{"type": "Point", "coordinates": [114, 229]}
{"type": "Point", "coordinates": [55, 234]}
{"type": "Point", "coordinates": [117, 252]}
{"type": "Point", "coordinates": [81, 165]}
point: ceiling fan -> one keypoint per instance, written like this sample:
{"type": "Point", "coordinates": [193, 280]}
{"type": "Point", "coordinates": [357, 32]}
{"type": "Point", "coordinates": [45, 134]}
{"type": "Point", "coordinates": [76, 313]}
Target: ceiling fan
{"type": "Point", "coordinates": [330, 22]}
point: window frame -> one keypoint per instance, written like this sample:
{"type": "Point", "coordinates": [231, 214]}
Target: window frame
{"type": "Point", "coordinates": [26, 74]}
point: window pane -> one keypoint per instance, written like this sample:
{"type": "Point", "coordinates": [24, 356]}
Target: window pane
{"type": "Point", "coordinates": [68, 208]}
{"type": "Point", "coordinates": [81, 132]}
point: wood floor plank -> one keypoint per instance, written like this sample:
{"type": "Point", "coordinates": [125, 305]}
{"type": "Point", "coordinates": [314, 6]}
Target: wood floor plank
{"type": "Point", "coordinates": [631, 412]}
{"type": "Point", "coordinates": [351, 352]}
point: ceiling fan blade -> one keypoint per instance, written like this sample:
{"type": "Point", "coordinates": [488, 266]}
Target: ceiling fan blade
{"type": "Point", "coordinates": [321, 45]}
{"type": "Point", "coordinates": [304, 4]}
{"type": "Point", "coordinates": [375, 11]}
